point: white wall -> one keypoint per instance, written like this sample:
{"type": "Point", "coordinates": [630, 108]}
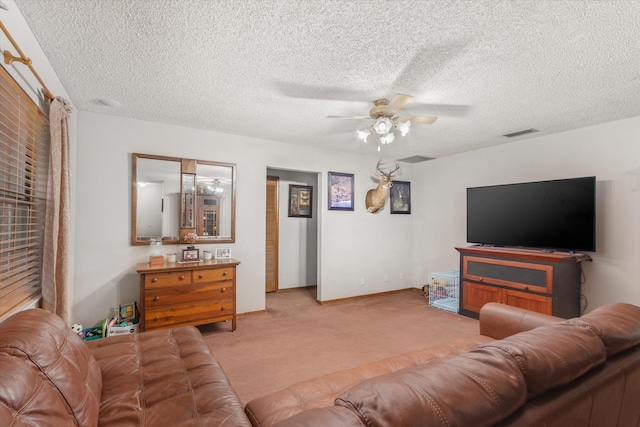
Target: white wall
{"type": "Point", "coordinates": [298, 237]}
{"type": "Point", "coordinates": [610, 151]}
{"type": "Point", "coordinates": [354, 245]}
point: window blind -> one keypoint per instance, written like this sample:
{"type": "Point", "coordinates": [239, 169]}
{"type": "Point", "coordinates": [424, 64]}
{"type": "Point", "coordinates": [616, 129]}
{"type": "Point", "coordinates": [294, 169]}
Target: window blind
{"type": "Point", "coordinates": [24, 148]}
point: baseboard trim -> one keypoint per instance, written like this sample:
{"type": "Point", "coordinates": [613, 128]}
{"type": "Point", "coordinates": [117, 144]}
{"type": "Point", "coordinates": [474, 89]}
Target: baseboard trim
{"type": "Point", "coordinates": [299, 288]}
{"type": "Point", "coordinates": [334, 301]}
{"type": "Point", "coordinates": [359, 297]}
{"type": "Point", "coordinates": [251, 313]}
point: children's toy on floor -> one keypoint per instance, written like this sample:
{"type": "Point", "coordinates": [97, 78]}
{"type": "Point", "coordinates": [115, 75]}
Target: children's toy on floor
{"type": "Point", "coordinates": [77, 329]}
{"type": "Point", "coordinates": [128, 312]}
{"type": "Point", "coordinates": [127, 321]}
{"type": "Point", "coordinates": [94, 333]}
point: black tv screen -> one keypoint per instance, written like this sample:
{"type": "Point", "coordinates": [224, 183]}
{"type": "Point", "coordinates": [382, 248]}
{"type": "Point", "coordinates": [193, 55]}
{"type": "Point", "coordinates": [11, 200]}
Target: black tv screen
{"type": "Point", "coordinates": [557, 215]}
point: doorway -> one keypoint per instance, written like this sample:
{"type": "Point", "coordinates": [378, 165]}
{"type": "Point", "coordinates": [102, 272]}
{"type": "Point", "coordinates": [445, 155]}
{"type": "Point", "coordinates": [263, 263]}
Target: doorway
{"type": "Point", "coordinates": [294, 239]}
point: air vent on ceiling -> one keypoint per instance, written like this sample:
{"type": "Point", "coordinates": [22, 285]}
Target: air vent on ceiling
{"type": "Point", "coordinates": [416, 159]}
{"type": "Point", "coordinates": [520, 132]}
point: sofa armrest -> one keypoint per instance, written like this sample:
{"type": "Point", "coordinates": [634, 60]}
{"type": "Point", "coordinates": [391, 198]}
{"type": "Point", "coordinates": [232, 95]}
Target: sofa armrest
{"type": "Point", "coordinates": [500, 320]}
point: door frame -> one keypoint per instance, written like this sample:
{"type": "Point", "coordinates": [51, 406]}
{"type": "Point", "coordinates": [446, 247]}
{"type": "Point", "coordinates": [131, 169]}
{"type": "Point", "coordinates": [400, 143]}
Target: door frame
{"type": "Point", "coordinates": [275, 179]}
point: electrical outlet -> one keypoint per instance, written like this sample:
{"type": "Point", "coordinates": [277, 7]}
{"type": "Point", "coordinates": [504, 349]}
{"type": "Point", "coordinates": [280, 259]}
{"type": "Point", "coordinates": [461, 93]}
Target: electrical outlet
{"type": "Point", "coordinates": [386, 277]}
{"type": "Point", "coordinates": [401, 276]}
{"type": "Point", "coordinates": [362, 281]}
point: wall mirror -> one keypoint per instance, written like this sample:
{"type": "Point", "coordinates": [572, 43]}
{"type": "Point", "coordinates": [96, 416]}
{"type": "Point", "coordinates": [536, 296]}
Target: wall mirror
{"type": "Point", "coordinates": [173, 196]}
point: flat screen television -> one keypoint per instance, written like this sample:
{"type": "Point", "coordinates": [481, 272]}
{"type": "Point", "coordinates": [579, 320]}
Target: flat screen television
{"type": "Point", "coordinates": [552, 215]}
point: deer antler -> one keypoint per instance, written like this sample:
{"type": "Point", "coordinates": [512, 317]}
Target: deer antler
{"type": "Point", "coordinates": [393, 175]}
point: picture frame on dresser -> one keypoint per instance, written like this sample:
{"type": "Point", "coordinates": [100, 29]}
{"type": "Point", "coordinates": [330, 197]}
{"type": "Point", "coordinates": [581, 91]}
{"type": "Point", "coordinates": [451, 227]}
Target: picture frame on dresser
{"type": "Point", "coordinates": [191, 254]}
{"type": "Point", "coordinates": [222, 253]}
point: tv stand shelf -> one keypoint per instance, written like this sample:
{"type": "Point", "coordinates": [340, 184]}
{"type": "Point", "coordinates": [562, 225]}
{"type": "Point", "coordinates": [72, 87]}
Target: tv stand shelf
{"type": "Point", "coordinates": [542, 281]}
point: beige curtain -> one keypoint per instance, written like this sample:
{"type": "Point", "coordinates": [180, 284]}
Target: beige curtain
{"type": "Point", "coordinates": [56, 276]}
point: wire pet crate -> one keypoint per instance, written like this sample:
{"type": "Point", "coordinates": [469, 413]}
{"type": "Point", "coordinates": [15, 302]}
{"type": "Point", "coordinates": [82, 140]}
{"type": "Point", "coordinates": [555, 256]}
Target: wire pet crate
{"type": "Point", "coordinates": [444, 290]}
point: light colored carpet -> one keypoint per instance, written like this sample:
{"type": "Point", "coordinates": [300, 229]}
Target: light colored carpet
{"type": "Point", "coordinates": [298, 339]}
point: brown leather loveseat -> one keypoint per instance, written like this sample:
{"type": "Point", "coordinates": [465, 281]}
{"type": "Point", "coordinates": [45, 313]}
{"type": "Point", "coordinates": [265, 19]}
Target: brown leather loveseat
{"type": "Point", "coordinates": [524, 369]}
{"type": "Point", "coordinates": [49, 377]}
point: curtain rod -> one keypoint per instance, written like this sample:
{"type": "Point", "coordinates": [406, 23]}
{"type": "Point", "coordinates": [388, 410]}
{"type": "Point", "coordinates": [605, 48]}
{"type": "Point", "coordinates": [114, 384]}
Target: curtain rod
{"type": "Point", "coordinates": [9, 58]}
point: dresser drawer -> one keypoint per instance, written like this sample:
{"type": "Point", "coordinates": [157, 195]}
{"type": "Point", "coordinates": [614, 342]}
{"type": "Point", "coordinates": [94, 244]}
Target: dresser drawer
{"type": "Point", "coordinates": [195, 313]}
{"type": "Point", "coordinates": [213, 274]}
{"type": "Point", "coordinates": [163, 280]}
{"type": "Point", "coordinates": [188, 293]}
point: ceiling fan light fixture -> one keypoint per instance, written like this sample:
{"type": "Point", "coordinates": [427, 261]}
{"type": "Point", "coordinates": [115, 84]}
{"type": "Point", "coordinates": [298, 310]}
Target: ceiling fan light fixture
{"type": "Point", "coordinates": [403, 127]}
{"type": "Point", "coordinates": [383, 125]}
{"type": "Point", "coordinates": [364, 134]}
{"type": "Point", "coordinates": [387, 139]}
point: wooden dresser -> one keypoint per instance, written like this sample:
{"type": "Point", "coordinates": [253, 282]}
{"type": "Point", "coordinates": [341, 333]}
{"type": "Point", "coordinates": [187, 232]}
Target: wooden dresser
{"type": "Point", "coordinates": [180, 294]}
{"type": "Point", "coordinates": [546, 282]}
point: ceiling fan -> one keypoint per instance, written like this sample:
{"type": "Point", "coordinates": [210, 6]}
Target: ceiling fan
{"type": "Point", "coordinates": [384, 114]}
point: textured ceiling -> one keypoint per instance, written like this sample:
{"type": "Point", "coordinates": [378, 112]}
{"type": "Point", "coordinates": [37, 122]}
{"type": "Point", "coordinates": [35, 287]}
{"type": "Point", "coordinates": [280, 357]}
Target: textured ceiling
{"type": "Point", "coordinates": [277, 69]}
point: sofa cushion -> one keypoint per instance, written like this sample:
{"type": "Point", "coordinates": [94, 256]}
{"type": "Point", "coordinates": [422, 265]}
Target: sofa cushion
{"type": "Point", "coordinates": [551, 356]}
{"type": "Point", "coordinates": [332, 416]}
{"type": "Point", "coordinates": [321, 392]}
{"type": "Point", "coordinates": [45, 342]}
{"type": "Point", "coordinates": [27, 399]}
{"type": "Point", "coordinates": [500, 320]}
{"type": "Point", "coordinates": [478, 388]}
{"type": "Point", "coordinates": [618, 325]}
{"type": "Point", "coordinates": [164, 377]}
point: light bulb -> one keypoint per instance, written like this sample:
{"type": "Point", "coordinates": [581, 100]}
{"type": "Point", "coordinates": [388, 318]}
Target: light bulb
{"type": "Point", "coordinates": [403, 127]}
{"type": "Point", "coordinates": [387, 139]}
{"type": "Point", "coordinates": [383, 125]}
{"type": "Point", "coordinates": [363, 134]}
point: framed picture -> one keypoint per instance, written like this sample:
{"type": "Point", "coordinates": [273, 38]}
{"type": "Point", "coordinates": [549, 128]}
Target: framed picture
{"type": "Point", "coordinates": [340, 191]}
{"type": "Point", "coordinates": [223, 253]}
{"type": "Point", "coordinates": [400, 197]}
{"type": "Point", "coordinates": [190, 254]}
{"type": "Point", "coordinates": [300, 200]}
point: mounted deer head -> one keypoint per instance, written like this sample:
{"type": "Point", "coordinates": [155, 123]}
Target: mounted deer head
{"type": "Point", "coordinates": [376, 197]}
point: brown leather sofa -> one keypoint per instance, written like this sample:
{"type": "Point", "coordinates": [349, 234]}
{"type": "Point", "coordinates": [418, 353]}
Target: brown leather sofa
{"type": "Point", "coordinates": [524, 369]}
{"type": "Point", "coordinates": [49, 377]}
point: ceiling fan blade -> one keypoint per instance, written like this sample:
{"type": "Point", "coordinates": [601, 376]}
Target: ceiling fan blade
{"type": "Point", "coordinates": [425, 120]}
{"type": "Point", "coordinates": [349, 117]}
{"type": "Point", "coordinates": [399, 101]}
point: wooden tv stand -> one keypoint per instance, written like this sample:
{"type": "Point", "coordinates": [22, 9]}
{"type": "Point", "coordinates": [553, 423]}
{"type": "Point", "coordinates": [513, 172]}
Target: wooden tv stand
{"type": "Point", "coordinates": [546, 282]}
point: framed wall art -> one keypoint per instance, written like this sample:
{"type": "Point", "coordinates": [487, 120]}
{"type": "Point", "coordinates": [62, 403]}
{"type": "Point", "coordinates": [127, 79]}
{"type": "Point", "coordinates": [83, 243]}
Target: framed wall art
{"type": "Point", "coordinates": [340, 191]}
{"type": "Point", "coordinates": [300, 200]}
{"type": "Point", "coordinates": [400, 197]}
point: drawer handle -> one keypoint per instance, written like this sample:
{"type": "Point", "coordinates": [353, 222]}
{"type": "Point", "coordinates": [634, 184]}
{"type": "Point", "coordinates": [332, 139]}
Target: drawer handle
{"type": "Point", "coordinates": [154, 280]}
{"type": "Point", "coordinates": [156, 298]}
{"type": "Point", "coordinates": [225, 273]}
{"type": "Point", "coordinates": [155, 319]}
{"type": "Point", "coordinates": [526, 288]}
{"type": "Point", "coordinates": [481, 279]}
{"type": "Point", "coordinates": [222, 308]}
{"type": "Point", "coordinates": [182, 277]}
{"type": "Point", "coordinates": [200, 276]}
{"type": "Point", "coordinates": [223, 290]}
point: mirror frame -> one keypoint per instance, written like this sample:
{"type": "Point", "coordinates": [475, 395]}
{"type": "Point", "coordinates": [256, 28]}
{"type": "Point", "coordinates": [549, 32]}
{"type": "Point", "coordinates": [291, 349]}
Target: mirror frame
{"type": "Point", "coordinates": [182, 161]}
